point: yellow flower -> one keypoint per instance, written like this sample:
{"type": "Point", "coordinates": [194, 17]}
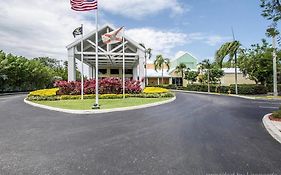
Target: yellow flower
{"type": "Point", "coordinates": [44, 92]}
{"type": "Point", "coordinates": [154, 90]}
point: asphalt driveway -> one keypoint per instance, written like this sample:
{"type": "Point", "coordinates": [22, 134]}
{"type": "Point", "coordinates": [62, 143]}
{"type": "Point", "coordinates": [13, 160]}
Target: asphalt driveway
{"type": "Point", "coordinates": [196, 134]}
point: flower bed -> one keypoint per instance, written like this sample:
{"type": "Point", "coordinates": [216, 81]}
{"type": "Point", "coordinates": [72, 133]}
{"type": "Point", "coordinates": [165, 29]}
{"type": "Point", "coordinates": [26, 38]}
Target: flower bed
{"type": "Point", "coordinates": [44, 92]}
{"type": "Point", "coordinates": [109, 89]}
{"type": "Point", "coordinates": [153, 90]}
{"type": "Point", "coordinates": [103, 96]}
{"type": "Point", "coordinates": [106, 86]}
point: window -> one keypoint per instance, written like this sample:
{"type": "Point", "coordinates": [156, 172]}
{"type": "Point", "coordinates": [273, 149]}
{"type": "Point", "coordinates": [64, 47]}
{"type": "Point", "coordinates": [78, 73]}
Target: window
{"type": "Point", "coordinates": [128, 71]}
{"type": "Point", "coordinates": [102, 71]}
{"type": "Point", "coordinates": [114, 71]}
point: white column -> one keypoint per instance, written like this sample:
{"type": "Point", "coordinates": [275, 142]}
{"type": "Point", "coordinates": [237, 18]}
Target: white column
{"type": "Point", "coordinates": [158, 81]}
{"type": "Point", "coordinates": [71, 65]}
{"type": "Point", "coordinates": [135, 72]}
{"type": "Point", "coordinates": [141, 66]}
{"type": "Point", "coordinates": [91, 72]}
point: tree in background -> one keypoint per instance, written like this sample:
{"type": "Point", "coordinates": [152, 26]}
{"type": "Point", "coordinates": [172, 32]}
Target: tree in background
{"type": "Point", "coordinates": [191, 76]}
{"type": "Point", "coordinates": [21, 74]}
{"type": "Point", "coordinates": [229, 49]}
{"type": "Point", "coordinates": [160, 63]}
{"type": "Point", "coordinates": [148, 55]}
{"type": "Point", "coordinates": [181, 68]}
{"type": "Point", "coordinates": [206, 65]}
{"type": "Point", "coordinates": [271, 9]}
{"type": "Point", "coordinates": [213, 73]}
{"type": "Point", "coordinates": [256, 62]}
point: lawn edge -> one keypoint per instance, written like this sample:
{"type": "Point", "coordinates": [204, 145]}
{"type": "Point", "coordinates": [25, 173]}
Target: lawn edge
{"type": "Point", "coordinates": [271, 128]}
{"type": "Point", "coordinates": [99, 111]}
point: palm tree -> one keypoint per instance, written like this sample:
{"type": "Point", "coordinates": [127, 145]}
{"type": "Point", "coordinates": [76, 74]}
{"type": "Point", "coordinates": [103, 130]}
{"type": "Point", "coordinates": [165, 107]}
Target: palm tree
{"type": "Point", "coordinates": [206, 65]}
{"type": "Point", "coordinates": [273, 32]}
{"type": "Point", "coordinates": [160, 63]}
{"type": "Point", "coordinates": [148, 54]}
{"type": "Point", "coordinates": [181, 68]}
{"type": "Point", "coordinates": [229, 49]}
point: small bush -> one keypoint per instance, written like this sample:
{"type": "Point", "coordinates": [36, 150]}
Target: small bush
{"type": "Point", "coordinates": [276, 114]}
{"type": "Point", "coordinates": [249, 89]}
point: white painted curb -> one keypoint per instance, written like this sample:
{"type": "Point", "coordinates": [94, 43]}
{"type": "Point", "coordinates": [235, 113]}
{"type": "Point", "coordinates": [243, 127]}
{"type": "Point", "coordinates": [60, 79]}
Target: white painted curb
{"type": "Point", "coordinates": [271, 128]}
{"type": "Point", "coordinates": [218, 94]}
{"type": "Point", "coordinates": [100, 110]}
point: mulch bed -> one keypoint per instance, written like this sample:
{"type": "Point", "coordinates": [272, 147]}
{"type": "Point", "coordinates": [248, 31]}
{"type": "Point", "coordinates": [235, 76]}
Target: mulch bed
{"type": "Point", "coordinates": [275, 119]}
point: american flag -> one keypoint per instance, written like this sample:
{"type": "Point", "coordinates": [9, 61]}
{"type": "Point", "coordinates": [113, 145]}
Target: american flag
{"type": "Point", "coordinates": [84, 5]}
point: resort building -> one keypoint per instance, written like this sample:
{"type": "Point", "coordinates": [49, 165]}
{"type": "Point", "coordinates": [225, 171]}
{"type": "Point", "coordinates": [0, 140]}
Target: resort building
{"type": "Point", "coordinates": [229, 77]}
{"type": "Point", "coordinates": [171, 76]}
{"type": "Point", "coordinates": [110, 57]}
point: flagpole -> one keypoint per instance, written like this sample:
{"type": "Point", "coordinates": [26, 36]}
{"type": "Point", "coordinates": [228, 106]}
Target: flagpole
{"type": "Point", "coordinates": [96, 105]}
{"type": "Point", "coordinates": [124, 73]}
{"type": "Point", "coordinates": [82, 60]}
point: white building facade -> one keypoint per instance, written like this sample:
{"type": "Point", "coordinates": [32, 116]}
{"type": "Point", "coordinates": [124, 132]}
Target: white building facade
{"type": "Point", "coordinates": [110, 57]}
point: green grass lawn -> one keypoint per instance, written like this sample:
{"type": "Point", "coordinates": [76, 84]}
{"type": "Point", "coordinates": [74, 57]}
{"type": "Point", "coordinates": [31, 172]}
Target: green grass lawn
{"type": "Point", "coordinates": [104, 103]}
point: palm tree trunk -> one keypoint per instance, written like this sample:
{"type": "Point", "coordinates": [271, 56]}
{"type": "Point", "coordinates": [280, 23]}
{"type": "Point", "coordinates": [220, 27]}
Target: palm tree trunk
{"type": "Point", "coordinates": [208, 81]}
{"type": "Point", "coordinates": [236, 86]}
{"type": "Point", "coordinates": [182, 77]}
{"type": "Point", "coordinates": [162, 76]}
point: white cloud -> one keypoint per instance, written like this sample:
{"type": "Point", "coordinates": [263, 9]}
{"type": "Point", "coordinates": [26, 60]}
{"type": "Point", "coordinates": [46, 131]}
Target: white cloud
{"type": "Point", "coordinates": [162, 42]}
{"type": "Point", "coordinates": [179, 54]}
{"type": "Point", "coordinates": [38, 28]}
{"type": "Point", "coordinates": [216, 39]}
{"type": "Point", "coordinates": [141, 8]}
{"type": "Point", "coordinates": [44, 28]}
{"type": "Point", "coordinates": [211, 40]}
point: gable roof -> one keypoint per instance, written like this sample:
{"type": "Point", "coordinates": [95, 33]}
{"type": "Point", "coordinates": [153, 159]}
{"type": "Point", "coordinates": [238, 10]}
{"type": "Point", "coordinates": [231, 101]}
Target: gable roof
{"type": "Point", "coordinates": [93, 33]}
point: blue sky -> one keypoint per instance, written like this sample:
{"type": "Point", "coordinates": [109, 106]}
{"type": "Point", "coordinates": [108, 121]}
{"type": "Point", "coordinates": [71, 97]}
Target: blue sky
{"type": "Point", "coordinates": [169, 27]}
{"type": "Point", "coordinates": [208, 17]}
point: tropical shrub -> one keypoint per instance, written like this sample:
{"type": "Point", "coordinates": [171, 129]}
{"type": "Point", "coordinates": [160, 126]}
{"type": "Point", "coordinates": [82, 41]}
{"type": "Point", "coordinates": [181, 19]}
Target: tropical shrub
{"type": "Point", "coordinates": [106, 86]}
{"type": "Point", "coordinates": [204, 88]}
{"type": "Point", "coordinates": [277, 114]}
{"type": "Point", "coordinates": [249, 89]}
{"type": "Point", "coordinates": [153, 90]}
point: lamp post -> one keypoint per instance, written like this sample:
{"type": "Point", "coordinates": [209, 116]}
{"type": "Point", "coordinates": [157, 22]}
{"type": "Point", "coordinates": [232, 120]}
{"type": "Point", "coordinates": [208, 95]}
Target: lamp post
{"type": "Point", "coordinates": [275, 91]}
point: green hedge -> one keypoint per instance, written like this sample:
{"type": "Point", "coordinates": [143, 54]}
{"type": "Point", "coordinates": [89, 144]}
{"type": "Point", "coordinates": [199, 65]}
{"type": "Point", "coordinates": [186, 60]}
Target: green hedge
{"type": "Point", "coordinates": [204, 88]}
{"type": "Point", "coordinates": [249, 89]}
{"type": "Point", "coordinates": [105, 96]}
{"type": "Point", "coordinates": [270, 87]}
{"type": "Point", "coordinates": [243, 89]}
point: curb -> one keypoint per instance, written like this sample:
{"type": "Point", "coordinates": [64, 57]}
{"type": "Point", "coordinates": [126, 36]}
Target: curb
{"type": "Point", "coordinates": [227, 95]}
{"type": "Point", "coordinates": [13, 93]}
{"type": "Point", "coordinates": [69, 111]}
{"type": "Point", "coordinates": [271, 128]}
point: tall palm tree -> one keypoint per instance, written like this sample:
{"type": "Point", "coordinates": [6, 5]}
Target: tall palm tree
{"type": "Point", "coordinates": [229, 49]}
{"type": "Point", "coordinates": [206, 65]}
{"type": "Point", "coordinates": [148, 55]}
{"type": "Point", "coordinates": [160, 63]}
{"type": "Point", "coordinates": [273, 33]}
{"type": "Point", "coordinates": [181, 68]}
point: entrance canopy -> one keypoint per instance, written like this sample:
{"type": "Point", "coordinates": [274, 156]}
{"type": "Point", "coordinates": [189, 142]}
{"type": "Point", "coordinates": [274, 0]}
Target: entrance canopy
{"type": "Point", "coordinates": [109, 56]}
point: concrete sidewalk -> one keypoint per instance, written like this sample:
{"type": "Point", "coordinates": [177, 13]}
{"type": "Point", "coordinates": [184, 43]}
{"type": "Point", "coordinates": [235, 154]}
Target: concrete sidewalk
{"type": "Point", "coordinates": [273, 127]}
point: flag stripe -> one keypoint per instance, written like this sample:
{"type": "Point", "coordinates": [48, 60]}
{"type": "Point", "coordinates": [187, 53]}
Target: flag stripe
{"type": "Point", "coordinates": [84, 5]}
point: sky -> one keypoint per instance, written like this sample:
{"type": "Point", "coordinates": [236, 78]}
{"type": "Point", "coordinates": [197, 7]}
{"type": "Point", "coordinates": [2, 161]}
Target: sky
{"type": "Point", "coordinates": [170, 27]}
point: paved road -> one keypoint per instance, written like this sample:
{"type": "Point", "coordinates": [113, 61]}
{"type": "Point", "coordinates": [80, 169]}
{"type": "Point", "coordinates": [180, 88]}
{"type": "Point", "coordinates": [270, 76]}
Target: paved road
{"type": "Point", "coordinates": [196, 134]}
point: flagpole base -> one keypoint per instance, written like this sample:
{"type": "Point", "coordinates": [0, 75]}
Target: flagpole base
{"type": "Point", "coordinates": [96, 106]}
